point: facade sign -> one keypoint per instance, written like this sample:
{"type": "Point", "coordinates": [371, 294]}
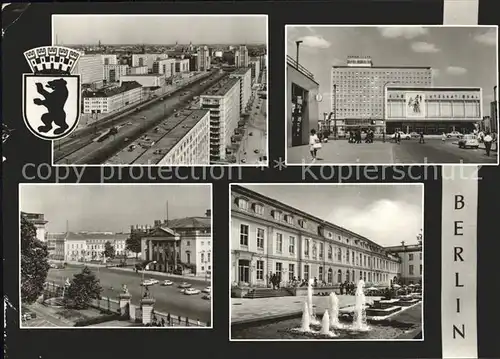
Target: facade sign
{"type": "Point", "coordinates": [415, 104]}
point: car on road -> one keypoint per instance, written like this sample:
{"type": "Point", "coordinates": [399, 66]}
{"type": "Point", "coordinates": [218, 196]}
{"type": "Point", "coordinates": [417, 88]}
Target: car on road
{"type": "Point", "coordinates": [250, 134]}
{"type": "Point", "coordinates": [207, 289]}
{"type": "Point", "coordinates": [256, 151]}
{"type": "Point", "coordinates": [149, 282]}
{"type": "Point", "coordinates": [143, 117]}
{"type": "Point", "coordinates": [470, 141]}
{"type": "Point", "coordinates": [243, 160]}
{"type": "Point", "coordinates": [184, 285]}
{"type": "Point", "coordinates": [126, 139]}
{"type": "Point", "coordinates": [191, 291]}
{"type": "Point", "coordinates": [207, 296]}
{"type": "Point", "coordinates": [129, 123]}
{"type": "Point", "coordinates": [414, 134]}
{"type": "Point", "coordinates": [454, 134]}
{"type": "Point", "coordinates": [167, 282]}
{"type": "Point", "coordinates": [404, 136]}
{"type": "Point", "coordinates": [132, 147]}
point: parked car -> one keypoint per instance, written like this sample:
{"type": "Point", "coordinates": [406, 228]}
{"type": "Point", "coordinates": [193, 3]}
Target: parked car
{"type": "Point", "coordinates": [414, 134]}
{"type": "Point", "coordinates": [149, 282]}
{"type": "Point", "coordinates": [184, 285]}
{"type": "Point", "coordinates": [256, 151]}
{"type": "Point", "coordinates": [192, 291]}
{"type": "Point", "coordinates": [243, 160]}
{"type": "Point", "coordinates": [404, 136]}
{"type": "Point", "coordinates": [468, 141]}
{"type": "Point", "coordinates": [167, 282]}
{"type": "Point", "coordinates": [454, 134]}
{"type": "Point", "coordinates": [206, 296]}
{"type": "Point", "coordinates": [250, 134]}
{"type": "Point", "coordinates": [126, 139]}
{"type": "Point", "coordinates": [207, 290]}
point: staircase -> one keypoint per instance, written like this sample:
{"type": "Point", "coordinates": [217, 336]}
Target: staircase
{"type": "Point", "coordinates": [267, 293]}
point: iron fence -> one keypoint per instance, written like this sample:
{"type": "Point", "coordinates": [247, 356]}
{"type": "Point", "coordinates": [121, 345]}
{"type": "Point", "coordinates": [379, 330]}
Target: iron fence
{"type": "Point", "coordinates": [169, 320]}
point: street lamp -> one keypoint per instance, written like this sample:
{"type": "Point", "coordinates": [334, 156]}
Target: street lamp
{"type": "Point", "coordinates": [383, 107]}
{"type": "Point", "coordinates": [146, 267]}
{"type": "Point", "coordinates": [298, 45]}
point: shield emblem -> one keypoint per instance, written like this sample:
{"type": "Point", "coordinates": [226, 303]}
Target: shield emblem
{"type": "Point", "coordinates": [51, 108]}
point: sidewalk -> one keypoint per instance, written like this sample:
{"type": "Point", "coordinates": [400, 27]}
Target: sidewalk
{"type": "Point", "coordinates": [46, 314]}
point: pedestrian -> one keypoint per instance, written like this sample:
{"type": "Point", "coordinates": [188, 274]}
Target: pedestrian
{"type": "Point", "coordinates": [443, 137]}
{"type": "Point", "coordinates": [162, 322]}
{"type": "Point", "coordinates": [421, 140]}
{"type": "Point", "coordinates": [198, 322]}
{"type": "Point", "coordinates": [169, 319]}
{"type": "Point", "coordinates": [179, 318]}
{"type": "Point", "coordinates": [399, 138]}
{"type": "Point", "coordinates": [187, 322]}
{"type": "Point", "coordinates": [314, 144]}
{"type": "Point", "coordinates": [487, 143]}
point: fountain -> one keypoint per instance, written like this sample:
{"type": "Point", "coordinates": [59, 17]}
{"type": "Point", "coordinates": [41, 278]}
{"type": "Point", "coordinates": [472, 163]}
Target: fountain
{"type": "Point", "coordinates": [306, 319]}
{"type": "Point", "coordinates": [359, 322]}
{"type": "Point", "coordinates": [334, 310]}
{"type": "Point", "coordinates": [325, 324]}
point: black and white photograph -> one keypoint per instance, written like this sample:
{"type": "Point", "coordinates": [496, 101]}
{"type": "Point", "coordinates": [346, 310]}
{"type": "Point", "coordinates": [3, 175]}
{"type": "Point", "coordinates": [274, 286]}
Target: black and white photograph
{"type": "Point", "coordinates": [391, 94]}
{"type": "Point", "coordinates": [185, 90]}
{"type": "Point", "coordinates": [115, 256]}
{"type": "Point", "coordinates": [302, 269]}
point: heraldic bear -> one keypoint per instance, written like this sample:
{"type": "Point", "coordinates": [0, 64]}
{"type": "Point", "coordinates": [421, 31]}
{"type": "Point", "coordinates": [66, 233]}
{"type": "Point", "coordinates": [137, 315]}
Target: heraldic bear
{"type": "Point", "coordinates": [54, 101]}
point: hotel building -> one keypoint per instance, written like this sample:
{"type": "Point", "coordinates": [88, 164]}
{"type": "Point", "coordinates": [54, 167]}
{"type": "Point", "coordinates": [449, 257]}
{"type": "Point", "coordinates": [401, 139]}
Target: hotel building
{"type": "Point", "coordinates": [302, 103]}
{"type": "Point", "coordinates": [109, 59]}
{"type": "Point", "coordinates": [203, 59]}
{"type": "Point", "coordinates": [270, 237]}
{"type": "Point", "coordinates": [91, 70]}
{"type": "Point", "coordinates": [245, 76]}
{"type": "Point", "coordinates": [358, 89]}
{"type": "Point", "coordinates": [433, 110]}
{"type": "Point", "coordinates": [113, 73]}
{"type": "Point", "coordinates": [181, 65]}
{"type": "Point", "coordinates": [112, 99]}
{"type": "Point", "coordinates": [139, 60]}
{"type": "Point", "coordinates": [178, 243]}
{"type": "Point", "coordinates": [165, 67]}
{"type": "Point", "coordinates": [241, 58]}
{"type": "Point", "coordinates": [411, 262]}
{"type": "Point", "coordinates": [223, 101]}
{"type": "Point", "coordinates": [255, 66]}
{"type": "Point", "coordinates": [38, 220]}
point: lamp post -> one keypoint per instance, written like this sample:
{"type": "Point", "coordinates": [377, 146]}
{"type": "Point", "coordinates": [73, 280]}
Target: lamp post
{"type": "Point", "coordinates": [146, 267]}
{"type": "Point", "coordinates": [383, 107]}
{"type": "Point", "coordinates": [298, 45]}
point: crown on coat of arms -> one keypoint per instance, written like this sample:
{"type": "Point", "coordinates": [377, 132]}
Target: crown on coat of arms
{"type": "Point", "coordinates": [52, 60]}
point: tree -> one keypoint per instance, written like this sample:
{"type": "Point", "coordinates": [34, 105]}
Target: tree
{"type": "Point", "coordinates": [109, 250]}
{"type": "Point", "coordinates": [34, 263]}
{"type": "Point", "coordinates": [133, 243]}
{"type": "Point", "coordinates": [82, 289]}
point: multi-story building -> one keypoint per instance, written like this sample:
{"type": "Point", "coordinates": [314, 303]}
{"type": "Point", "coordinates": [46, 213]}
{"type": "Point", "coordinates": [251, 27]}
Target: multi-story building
{"type": "Point", "coordinates": [139, 60]}
{"type": "Point", "coordinates": [302, 103]}
{"type": "Point", "coordinates": [87, 246]}
{"type": "Point", "coordinates": [113, 73]}
{"type": "Point", "coordinates": [193, 62]}
{"type": "Point", "coordinates": [241, 58]}
{"type": "Point", "coordinates": [255, 66]}
{"type": "Point", "coordinates": [181, 65]}
{"type": "Point", "coordinates": [165, 67]}
{"type": "Point", "coordinates": [184, 242]}
{"type": "Point", "coordinates": [91, 69]}
{"type": "Point", "coordinates": [358, 89]}
{"type": "Point", "coordinates": [108, 59]}
{"type": "Point", "coordinates": [223, 101]}
{"type": "Point", "coordinates": [138, 70]}
{"type": "Point", "coordinates": [245, 76]}
{"type": "Point", "coordinates": [38, 220]}
{"type": "Point", "coordinates": [146, 80]}
{"type": "Point", "coordinates": [494, 114]}
{"type": "Point", "coordinates": [55, 245]}
{"type": "Point", "coordinates": [203, 59]}
{"type": "Point", "coordinates": [411, 269]}
{"type": "Point", "coordinates": [433, 110]}
{"type": "Point", "coordinates": [270, 237]}
{"type": "Point", "coordinates": [112, 99]}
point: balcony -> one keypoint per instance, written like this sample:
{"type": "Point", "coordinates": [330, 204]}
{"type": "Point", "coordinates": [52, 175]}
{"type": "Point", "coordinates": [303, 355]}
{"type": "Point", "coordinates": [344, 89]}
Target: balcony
{"type": "Point", "coordinates": [293, 63]}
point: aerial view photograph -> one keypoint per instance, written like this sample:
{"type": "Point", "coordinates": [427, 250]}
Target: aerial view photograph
{"type": "Point", "coordinates": [156, 90]}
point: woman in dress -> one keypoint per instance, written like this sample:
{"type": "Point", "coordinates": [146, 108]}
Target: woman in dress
{"type": "Point", "coordinates": [314, 144]}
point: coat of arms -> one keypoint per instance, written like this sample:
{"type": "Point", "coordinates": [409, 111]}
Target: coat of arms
{"type": "Point", "coordinates": [51, 95]}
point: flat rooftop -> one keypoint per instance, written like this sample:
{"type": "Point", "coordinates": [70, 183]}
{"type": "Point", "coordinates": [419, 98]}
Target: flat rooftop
{"type": "Point", "coordinates": [169, 132]}
{"type": "Point", "coordinates": [132, 75]}
{"type": "Point", "coordinates": [109, 92]}
{"type": "Point", "coordinates": [221, 87]}
{"type": "Point", "coordinates": [241, 71]}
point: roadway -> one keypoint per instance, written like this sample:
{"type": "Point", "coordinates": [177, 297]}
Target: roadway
{"type": "Point", "coordinates": [168, 298]}
{"type": "Point", "coordinates": [433, 151]}
{"type": "Point", "coordinates": [83, 150]}
{"type": "Point", "coordinates": [258, 140]}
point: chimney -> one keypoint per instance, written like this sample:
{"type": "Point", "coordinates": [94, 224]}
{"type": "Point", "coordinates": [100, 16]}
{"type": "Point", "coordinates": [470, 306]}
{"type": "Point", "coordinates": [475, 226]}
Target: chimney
{"type": "Point", "coordinates": [208, 213]}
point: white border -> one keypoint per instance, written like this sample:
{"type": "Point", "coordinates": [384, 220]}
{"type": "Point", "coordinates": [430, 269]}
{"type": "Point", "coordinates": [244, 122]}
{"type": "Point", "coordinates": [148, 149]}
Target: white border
{"type": "Point", "coordinates": [329, 90]}
{"type": "Point", "coordinates": [210, 185]}
{"type": "Point", "coordinates": [166, 16]}
{"type": "Point", "coordinates": [328, 184]}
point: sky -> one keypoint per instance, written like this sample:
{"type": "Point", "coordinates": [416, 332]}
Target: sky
{"type": "Point", "coordinates": [112, 208]}
{"type": "Point", "coordinates": [459, 56]}
{"type": "Point", "coordinates": [385, 214]}
{"type": "Point", "coordinates": [163, 29]}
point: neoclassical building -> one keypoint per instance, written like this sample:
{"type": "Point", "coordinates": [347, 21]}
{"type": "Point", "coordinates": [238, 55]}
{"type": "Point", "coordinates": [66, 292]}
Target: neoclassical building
{"type": "Point", "coordinates": [268, 236]}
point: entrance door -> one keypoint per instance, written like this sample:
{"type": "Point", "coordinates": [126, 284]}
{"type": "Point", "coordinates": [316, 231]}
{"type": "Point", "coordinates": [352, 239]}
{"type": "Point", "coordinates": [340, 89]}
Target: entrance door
{"type": "Point", "coordinates": [299, 114]}
{"type": "Point", "coordinates": [244, 271]}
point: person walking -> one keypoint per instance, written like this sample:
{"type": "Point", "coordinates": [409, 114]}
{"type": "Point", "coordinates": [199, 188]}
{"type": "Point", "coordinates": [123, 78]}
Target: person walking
{"type": "Point", "coordinates": [399, 138]}
{"type": "Point", "coordinates": [443, 137]}
{"type": "Point", "coordinates": [314, 144]}
{"type": "Point", "coordinates": [421, 140]}
{"type": "Point", "coordinates": [488, 139]}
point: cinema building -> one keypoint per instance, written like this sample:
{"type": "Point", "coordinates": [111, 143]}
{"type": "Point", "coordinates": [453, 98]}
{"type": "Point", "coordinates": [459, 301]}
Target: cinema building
{"type": "Point", "coordinates": [270, 237]}
{"type": "Point", "coordinates": [302, 110]}
{"type": "Point", "coordinates": [433, 110]}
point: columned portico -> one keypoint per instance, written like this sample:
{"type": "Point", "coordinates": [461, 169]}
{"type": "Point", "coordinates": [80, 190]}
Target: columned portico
{"type": "Point", "coordinates": [162, 245]}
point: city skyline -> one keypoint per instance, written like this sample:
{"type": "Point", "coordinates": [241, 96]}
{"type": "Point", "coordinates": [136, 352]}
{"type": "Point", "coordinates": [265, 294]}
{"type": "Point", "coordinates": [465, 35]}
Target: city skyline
{"type": "Point", "coordinates": [376, 212]}
{"type": "Point", "coordinates": [98, 208]}
{"type": "Point", "coordinates": [155, 30]}
{"type": "Point", "coordinates": [459, 56]}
